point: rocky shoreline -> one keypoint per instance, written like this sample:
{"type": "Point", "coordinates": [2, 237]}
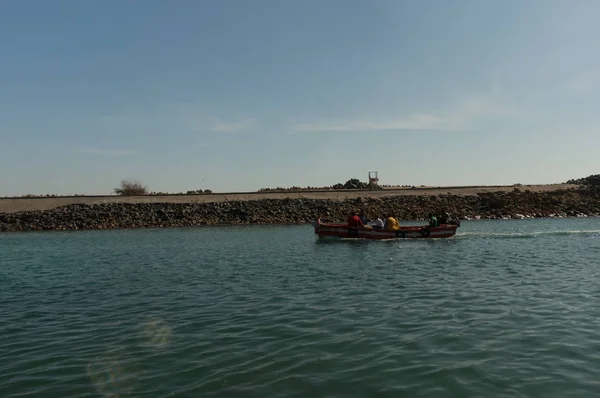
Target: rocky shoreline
{"type": "Point", "coordinates": [582, 202]}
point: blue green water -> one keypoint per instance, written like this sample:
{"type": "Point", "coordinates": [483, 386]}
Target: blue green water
{"type": "Point", "coordinates": [503, 309]}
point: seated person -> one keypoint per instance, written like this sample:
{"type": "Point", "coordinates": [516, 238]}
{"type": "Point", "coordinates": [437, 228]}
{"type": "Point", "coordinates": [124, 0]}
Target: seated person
{"type": "Point", "coordinates": [445, 218]}
{"type": "Point", "coordinates": [378, 223]}
{"type": "Point", "coordinates": [363, 217]}
{"type": "Point", "coordinates": [391, 224]}
{"type": "Point", "coordinates": [433, 222]}
{"type": "Point", "coordinates": [354, 221]}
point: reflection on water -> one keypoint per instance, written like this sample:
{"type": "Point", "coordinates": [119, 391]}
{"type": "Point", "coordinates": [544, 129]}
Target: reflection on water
{"type": "Point", "coordinates": [113, 379]}
{"type": "Point", "coordinates": [109, 379]}
{"type": "Point", "coordinates": [157, 333]}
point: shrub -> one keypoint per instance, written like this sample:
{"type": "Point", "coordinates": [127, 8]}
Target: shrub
{"type": "Point", "coordinates": [593, 180]}
{"type": "Point", "coordinates": [131, 188]}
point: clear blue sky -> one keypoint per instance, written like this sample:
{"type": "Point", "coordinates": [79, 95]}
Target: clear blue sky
{"type": "Point", "coordinates": [239, 95]}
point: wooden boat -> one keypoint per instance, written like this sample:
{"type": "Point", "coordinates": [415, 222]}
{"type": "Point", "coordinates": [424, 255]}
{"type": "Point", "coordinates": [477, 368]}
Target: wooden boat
{"type": "Point", "coordinates": [333, 230]}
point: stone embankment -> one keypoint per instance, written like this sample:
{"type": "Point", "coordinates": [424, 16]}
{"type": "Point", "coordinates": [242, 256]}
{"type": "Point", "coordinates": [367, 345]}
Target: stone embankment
{"type": "Point", "coordinates": [499, 205]}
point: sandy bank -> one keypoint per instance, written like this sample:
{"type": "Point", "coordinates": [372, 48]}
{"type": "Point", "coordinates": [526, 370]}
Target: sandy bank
{"type": "Point", "coordinates": [12, 205]}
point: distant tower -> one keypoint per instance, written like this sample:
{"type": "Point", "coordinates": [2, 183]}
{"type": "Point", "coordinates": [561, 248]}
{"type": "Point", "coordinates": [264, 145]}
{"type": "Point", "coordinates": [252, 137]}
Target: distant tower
{"type": "Point", "coordinates": [373, 180]}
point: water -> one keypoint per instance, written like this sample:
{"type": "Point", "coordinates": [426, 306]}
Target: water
{"type": "Point", "coordinates": [504, 309]}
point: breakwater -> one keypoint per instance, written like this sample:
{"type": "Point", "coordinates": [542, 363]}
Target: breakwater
{"type": "Point", "coordinates": [516, 204]}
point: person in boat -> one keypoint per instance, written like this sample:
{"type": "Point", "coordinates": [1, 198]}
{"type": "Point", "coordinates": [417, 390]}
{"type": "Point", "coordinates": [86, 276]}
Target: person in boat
{"type": "Point", "coordinates": [354, 221]}
{"type": "Point", "coordinates": [445, 218]}
{"type": "Point", "coordinates": [363, 217]}
{"type": "Point", "coordinates": [433, 222]}
{"type": "Point", "coordinates": [391, 224]}
{"type": "Point", "coordinates": [378, 223]}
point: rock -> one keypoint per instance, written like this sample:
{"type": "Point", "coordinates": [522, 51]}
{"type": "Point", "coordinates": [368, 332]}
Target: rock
{"type": "Point", "coordinates": [590, 181]}
{"type": "Point", "coordinates": [524, 205]}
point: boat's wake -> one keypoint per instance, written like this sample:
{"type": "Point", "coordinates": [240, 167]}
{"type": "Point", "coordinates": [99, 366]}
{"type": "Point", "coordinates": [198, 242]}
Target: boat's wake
{"type": "Point", "coordinates": [471, 235]}
{"type": "Point", "coordinates": [524, 235]}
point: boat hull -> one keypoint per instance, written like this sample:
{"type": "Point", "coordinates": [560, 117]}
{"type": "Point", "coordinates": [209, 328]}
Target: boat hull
{"type": "Point", "coordinates": [328, 230]}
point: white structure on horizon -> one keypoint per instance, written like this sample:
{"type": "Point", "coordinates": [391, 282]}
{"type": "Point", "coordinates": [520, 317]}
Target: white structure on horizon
{"type": "Point", "coordinates": [373, 179]}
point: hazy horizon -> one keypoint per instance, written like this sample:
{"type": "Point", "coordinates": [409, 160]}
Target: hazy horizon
{"type": "Point", "coordinates": [238, 96]}
{"type": "Point", "coordinates": [151, 191]}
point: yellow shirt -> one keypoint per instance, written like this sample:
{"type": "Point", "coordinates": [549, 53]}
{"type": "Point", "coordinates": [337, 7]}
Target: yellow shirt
{"type": "Point", "coordinates": [392, 224]}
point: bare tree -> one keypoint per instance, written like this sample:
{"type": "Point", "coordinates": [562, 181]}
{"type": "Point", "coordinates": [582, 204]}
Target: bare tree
{"type": "Point", "coordinates": [131, 188]}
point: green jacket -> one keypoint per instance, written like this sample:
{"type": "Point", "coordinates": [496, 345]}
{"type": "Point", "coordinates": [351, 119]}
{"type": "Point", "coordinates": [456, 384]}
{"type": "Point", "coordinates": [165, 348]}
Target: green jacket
{"type": "Point", "coordinates": [433, 222]}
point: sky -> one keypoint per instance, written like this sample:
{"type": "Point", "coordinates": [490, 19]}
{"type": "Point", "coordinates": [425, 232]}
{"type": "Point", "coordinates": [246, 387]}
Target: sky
{"type": "Point", "coordinates": [241, 95]}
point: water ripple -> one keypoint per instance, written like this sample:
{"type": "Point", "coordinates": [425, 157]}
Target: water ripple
{"type": "Point", "coordinates": [507, 309]}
